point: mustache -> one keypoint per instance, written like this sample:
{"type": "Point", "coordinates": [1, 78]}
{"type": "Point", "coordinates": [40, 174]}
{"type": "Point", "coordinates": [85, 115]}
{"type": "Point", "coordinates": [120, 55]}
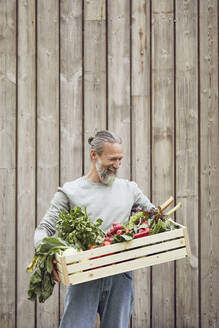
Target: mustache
{"type": "Point", "coordinates": [112, 169]}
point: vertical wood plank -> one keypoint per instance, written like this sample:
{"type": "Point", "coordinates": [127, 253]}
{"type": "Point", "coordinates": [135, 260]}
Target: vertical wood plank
{"type": "Point", "coordinates": [26, 157]}
{"type": "Point", "coordinates": [94, 71]}
{"type": "Point", "coordinates": [94, 76]}
{"type": "Point", "coordinates": [141, 139]}
{"type": "Point", "coordinates": [95, 98]}
{"type": "Point", "coordinates": [162, 147]}
{"type": "Point", "coordinates": [119, 76]}
{"type": "Point", "coordinates": [70, 97]}
{"type": "Point", "coordinates": [47, 128]}
{"type": "Point", "coordinates": [187, 293]}
{"type": "Point", "coordinates": [7, 162]}
{"type": "Point", "coordinates": [209, 168]}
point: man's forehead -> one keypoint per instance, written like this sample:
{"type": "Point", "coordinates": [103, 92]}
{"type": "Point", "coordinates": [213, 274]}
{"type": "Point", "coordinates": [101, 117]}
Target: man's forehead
{"type": "Point", "coordinates": [112, 148]}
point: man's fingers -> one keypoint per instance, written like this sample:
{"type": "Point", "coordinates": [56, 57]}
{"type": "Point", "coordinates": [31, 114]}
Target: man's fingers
{"type": "Point", "coordinates": [55, 273]}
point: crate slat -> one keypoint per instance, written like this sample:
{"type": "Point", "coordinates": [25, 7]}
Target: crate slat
{"type": "Point", "coordinates": [186, 236]}
{"type": "Point", "coordinates": [127, 266]}
{"type": "Point", "coordinates": [64, 271]}
{"type": "Point", "coordinates": [125, 255]}
{"type": "Point", "coordinates": [124, 245]}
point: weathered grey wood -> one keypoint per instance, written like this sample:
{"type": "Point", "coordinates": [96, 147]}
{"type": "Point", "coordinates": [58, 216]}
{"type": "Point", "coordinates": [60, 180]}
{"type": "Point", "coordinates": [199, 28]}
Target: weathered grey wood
{"type": "Point", "coordinates": [187, 302]}
{"type": "Point", "coordinates": [118, 59]}
{"type": "Point", "coordinates": [26, 158]}
{"type": "Point", "coordinates": [94, 72]}
{"type": "Point", "coordinates": [209, 169]}
{"type": "Point", "coordinates": [141, 139]}
{"type": "Point", "coordinates": [203, 219]}
{"type": "Point", "coordinates": [70, 96]}
{"type": "Point", "coordinates": [94, 76]}
{"type": "Point", "coordinates": [47, 128]}
{"type": "Point", "coordinates": [162, 147]}
{"type": "Point", "coordinates": [119, 76]}
{"type": "Point", "coordinates": [7, 162]}
{"type": "Point", "coordinates": [95, 10]}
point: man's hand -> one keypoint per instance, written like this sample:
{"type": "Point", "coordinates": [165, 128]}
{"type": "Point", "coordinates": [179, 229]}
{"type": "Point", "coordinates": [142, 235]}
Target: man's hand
{"type": "Point", "coordinates": [154, 210]}
{"type": "Point", "coordinates": [54, 271]}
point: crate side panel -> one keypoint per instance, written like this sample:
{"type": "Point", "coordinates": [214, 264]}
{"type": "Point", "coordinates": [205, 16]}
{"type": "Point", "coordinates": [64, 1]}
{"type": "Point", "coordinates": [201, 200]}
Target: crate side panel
{"type": "Point", "coordinates": [125, 245]}
{"type": "Point", "coordinates": [127, 266]}
{"type": "Point", "coordinates": [126, 255]}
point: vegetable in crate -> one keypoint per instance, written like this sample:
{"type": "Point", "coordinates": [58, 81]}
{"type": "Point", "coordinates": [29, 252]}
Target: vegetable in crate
{"type": "Point", "coordinates": [42, 283]}
{"type": "Point", "coordinates": [148, 223]}
{"type": "Point", "coordinates": [77, 229]}
{"type": "Point", "coordinates": [118, 233]}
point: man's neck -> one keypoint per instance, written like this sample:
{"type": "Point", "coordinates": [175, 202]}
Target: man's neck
{"type": "Point", "coordinates": [93, 176]}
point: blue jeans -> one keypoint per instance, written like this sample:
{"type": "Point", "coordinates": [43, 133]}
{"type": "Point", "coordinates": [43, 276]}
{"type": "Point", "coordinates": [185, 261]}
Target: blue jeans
{"type": "Point", "coordinates": [112, 297]}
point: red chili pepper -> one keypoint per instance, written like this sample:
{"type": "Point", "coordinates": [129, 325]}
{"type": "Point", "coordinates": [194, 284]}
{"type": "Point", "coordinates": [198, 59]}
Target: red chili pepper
{"type": "Point", "coordinates": [142, 233]}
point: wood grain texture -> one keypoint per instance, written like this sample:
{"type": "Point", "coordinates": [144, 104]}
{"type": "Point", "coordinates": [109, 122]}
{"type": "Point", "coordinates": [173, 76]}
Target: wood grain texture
{"type": "Point", "coordinates": [162, 147]}
{"type": "Point", "coordinates": [141, 139]}
{"type": "Point", "coordinates": [94, 77]}
{"type": "Point", "coordinates": [119, 76]}
{"type": "Point", "coordinates": [26, 157]}
{"type": "Point", "coordinates": [209, 160]}
{"type": "Point", "coordinates": [47, 128]}
{"type": "Point", "coordinates": [7, 162]}
{"type": "Point", "coordinates": [187, 293]}
{"type": "Point", "coordinates": [128, 265]}
{"type": "Point", "coordinates": [71, 147]}
{"type": "Point", "coordinates": [95, 10]}
{"type": "Point", "coordinates": [118, 59]}
{"type": "Point", "coordinates": [116, 69]}
{"type": "Point", "coordinates": [94, 72]}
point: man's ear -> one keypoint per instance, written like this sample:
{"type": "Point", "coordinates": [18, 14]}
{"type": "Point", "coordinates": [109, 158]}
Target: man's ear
{"type": "Point", "coordinates": [93, 155]}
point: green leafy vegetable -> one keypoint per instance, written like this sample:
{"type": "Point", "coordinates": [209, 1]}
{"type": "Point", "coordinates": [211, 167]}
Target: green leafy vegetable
{"type": "Point", "coordinates": [123, 237]}
{"type": "Point", "coordinates": [41, 283]}
{"type": "Point", "coordinates": [76, 228]}
{"type": "Point", "coordinates": [132, 219]}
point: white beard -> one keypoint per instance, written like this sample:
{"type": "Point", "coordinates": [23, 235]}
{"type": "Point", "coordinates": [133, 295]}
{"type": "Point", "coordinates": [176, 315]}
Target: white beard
{"type": "Point", "coordinates": [104, 176]}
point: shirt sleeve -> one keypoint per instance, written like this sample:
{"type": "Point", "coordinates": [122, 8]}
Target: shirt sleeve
{"type": "Point", "coordinates": [140, 200]}
{"type": "Point", "coordinates": [47, 225]}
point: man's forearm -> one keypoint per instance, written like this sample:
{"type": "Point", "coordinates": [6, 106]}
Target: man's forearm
{"type": "Point", "coordinates": [47, 225]}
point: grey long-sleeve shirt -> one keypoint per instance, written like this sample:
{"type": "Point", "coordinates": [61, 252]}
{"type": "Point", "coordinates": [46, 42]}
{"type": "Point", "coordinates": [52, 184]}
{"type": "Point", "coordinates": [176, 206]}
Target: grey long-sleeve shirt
{"type": "Point", "coordinates": [108, 202]}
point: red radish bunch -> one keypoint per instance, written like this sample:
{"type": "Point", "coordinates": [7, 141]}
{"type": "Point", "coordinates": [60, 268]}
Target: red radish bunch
{"type": "Point", "coordinates": [120, 232]}
{"type": "Point", "coordinates": [117, 229]}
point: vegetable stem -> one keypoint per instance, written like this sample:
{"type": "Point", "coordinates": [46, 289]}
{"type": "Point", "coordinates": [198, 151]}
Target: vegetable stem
{"type": "Point", "coordinates": [174, 209]}
{"type": "Point", "coordinates": [167, 203]}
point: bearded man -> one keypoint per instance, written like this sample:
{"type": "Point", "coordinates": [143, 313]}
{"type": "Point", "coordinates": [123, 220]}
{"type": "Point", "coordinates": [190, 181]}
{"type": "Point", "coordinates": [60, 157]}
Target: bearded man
{"type": "Point", "coordinates": [110, 198]}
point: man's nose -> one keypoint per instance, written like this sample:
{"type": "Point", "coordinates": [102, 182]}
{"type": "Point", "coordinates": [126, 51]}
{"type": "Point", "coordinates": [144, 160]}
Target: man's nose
{"type": "Point", "coordinates": [116, 165]}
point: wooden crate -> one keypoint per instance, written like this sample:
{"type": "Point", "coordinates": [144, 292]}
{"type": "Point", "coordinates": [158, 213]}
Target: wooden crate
{"type": "Point", "coordinates": [123, 257]}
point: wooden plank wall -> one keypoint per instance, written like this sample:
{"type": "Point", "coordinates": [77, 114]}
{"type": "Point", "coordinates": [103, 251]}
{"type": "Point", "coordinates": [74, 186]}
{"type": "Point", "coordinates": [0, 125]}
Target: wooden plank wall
{"type": "Point", "coordinates": [146, 69]}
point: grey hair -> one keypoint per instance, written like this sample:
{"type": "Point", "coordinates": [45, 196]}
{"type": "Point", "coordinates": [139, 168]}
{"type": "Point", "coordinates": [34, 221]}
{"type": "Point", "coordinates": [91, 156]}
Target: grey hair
{"type": "Point", "coordinates": [100, 137]}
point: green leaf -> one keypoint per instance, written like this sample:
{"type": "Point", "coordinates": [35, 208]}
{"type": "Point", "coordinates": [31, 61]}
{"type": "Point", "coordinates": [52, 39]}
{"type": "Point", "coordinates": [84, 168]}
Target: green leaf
{"type": "Point", "coordinates": [77, 229]}
{"type": "Point", "coordinates": [32, 265]}
{"type": "Point", "coordinates": [133, 218]}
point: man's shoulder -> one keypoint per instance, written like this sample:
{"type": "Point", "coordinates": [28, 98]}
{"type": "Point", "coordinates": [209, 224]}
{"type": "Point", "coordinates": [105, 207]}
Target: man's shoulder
{"type": "Point", "coordinates": [72, 184]}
